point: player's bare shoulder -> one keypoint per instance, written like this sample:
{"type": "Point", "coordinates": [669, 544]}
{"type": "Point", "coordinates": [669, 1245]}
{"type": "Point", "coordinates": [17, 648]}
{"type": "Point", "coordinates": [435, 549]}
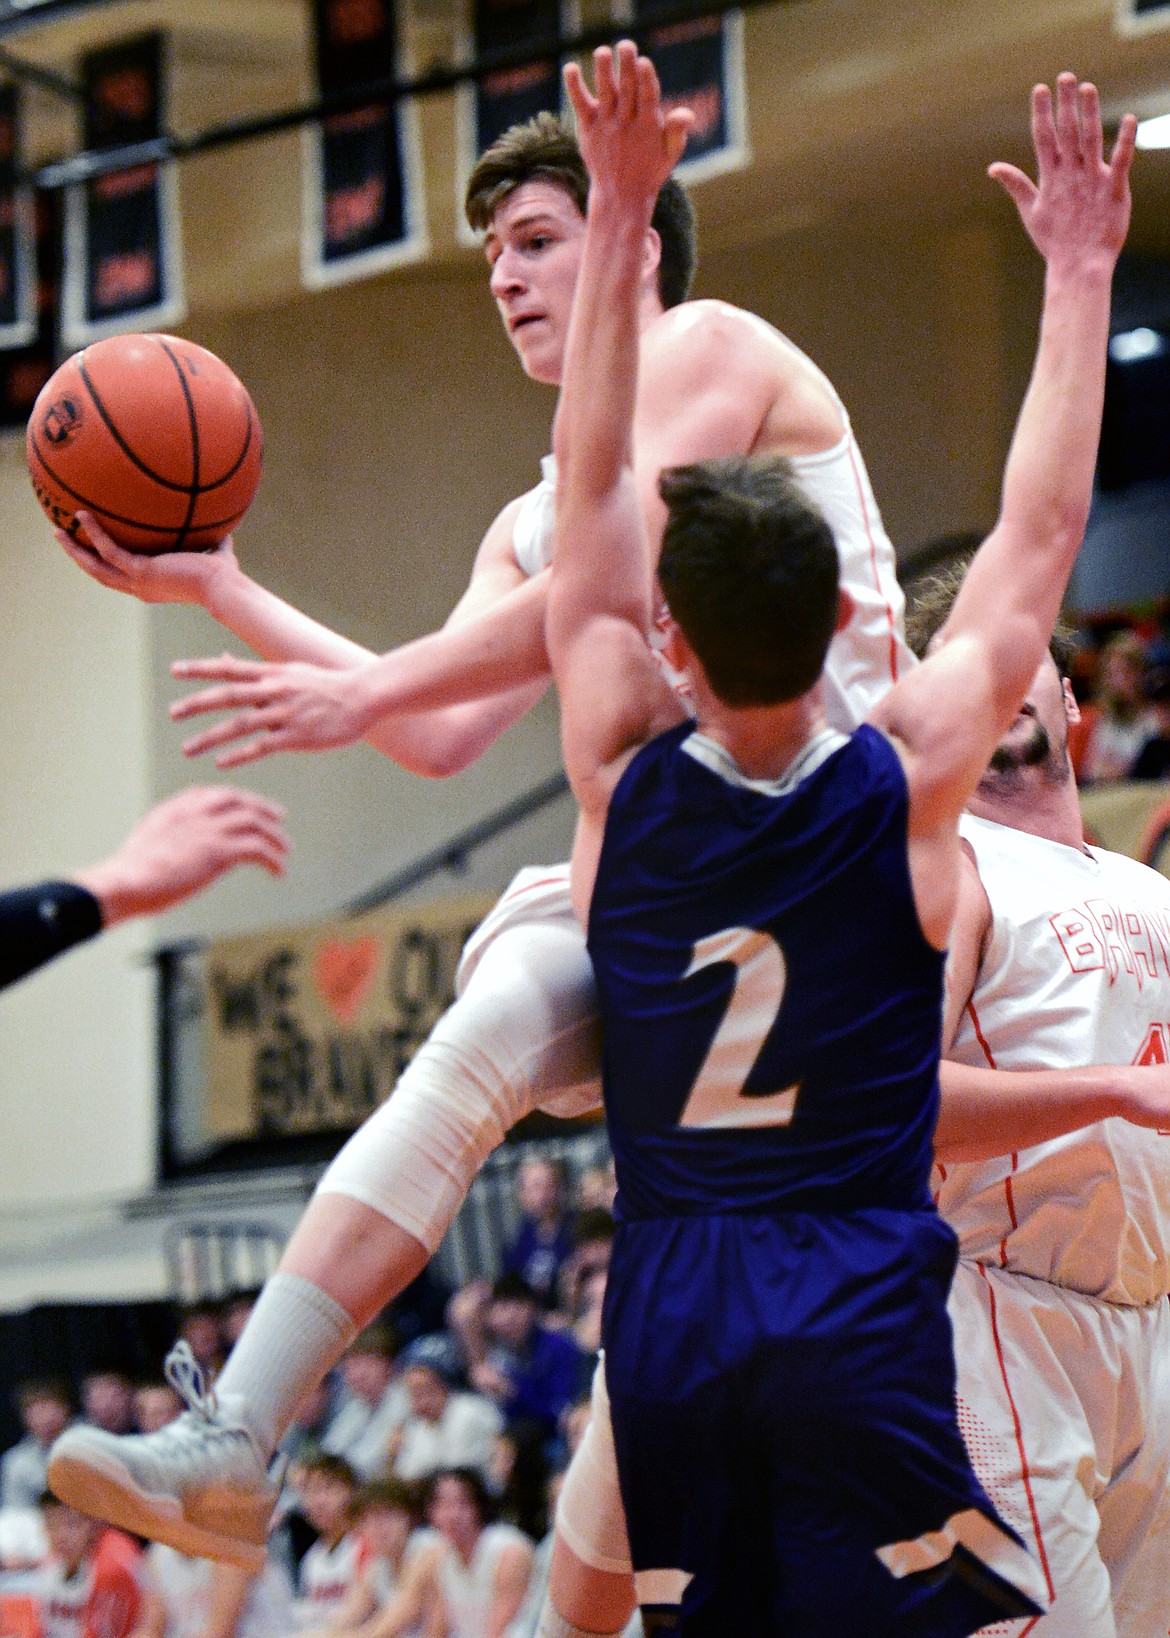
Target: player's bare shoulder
{"type": "Point", "coordinates": [715, 345]}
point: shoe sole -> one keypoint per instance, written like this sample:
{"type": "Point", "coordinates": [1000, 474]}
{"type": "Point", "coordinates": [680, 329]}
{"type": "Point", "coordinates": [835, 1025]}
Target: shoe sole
{"type": "Point", "coordinates": [105, 1489]}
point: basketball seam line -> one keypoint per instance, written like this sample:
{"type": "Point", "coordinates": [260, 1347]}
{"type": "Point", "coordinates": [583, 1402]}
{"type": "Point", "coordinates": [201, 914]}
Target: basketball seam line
{"type": "Point", "coordinates": [148, 471]}
{"type": "Point", "coordinates": [193, 493]}
{"type": "Point", "coordinates": [135, 523]}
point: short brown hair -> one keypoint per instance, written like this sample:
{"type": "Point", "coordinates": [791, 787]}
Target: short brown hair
{"type": "Point", "coordinates": [930, 599]}
{"type": "Point", "coordinates": [544, 149]}
{"type": "Point", "coordinates": [749, 570]}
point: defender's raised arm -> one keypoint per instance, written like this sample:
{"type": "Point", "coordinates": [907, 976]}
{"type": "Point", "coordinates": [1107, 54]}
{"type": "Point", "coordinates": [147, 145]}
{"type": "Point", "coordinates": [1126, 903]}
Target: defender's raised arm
{"type": "Point", "coordinates": [950, 714]}
{"type": "Point", "coordinates": [600, 595]}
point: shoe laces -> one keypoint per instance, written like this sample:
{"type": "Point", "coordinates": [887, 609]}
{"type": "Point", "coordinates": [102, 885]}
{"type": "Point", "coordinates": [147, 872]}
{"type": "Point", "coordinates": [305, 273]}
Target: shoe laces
{"type": "Point", "coordinates": [185, 1374]}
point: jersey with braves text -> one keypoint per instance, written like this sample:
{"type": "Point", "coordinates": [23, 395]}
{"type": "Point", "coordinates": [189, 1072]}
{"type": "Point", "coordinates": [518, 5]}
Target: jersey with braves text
{"type": "Point", "coordinates": [770, 1005]}
{"type": "Point", "coordinates": [1076, 972]}
{"type": "Point", "coordinates": [871, 653]}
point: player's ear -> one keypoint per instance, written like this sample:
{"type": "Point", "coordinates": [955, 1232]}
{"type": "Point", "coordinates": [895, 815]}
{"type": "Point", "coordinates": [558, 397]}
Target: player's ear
{"type": "Point", "coordinates": [845, 608]}
{"type": "Point", "coordinates": [1072, 710]}
{"type": "Point", "coordinates": [651, 258]}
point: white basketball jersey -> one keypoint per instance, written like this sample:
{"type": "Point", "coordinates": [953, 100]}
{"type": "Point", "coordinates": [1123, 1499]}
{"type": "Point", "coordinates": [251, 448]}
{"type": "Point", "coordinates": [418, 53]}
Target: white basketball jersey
{"type": "Point", "coordinates": [325, 1578]}
{"type": "Point", "coordinates": [468, 1588]}
{"type": "Point", "coordinates": [1076, 972]}
{"type": "Point", "coordinates": [871, 653]}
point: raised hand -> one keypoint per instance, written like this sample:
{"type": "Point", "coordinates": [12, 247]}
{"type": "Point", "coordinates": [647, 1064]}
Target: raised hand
{"type": "Point", "coordinates": [278, 707]}
{"type": "Point", "coordinates": [168, 577]}
{"type": "Point", "coordinates": [627, 139]}
{"type": "Point", "coordinates": [183, 845]}
{"type": "Point", "coordinates": [1078, 208]}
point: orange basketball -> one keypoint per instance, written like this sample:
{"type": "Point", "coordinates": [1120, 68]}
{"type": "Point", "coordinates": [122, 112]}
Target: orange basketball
{"type": "Point", "coordinates": [153, 435]}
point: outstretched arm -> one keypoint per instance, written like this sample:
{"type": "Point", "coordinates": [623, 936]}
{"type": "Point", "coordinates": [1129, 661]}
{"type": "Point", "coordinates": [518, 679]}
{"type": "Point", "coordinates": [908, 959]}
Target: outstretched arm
{"type": "Point", "coordinates": [180, 847]}
{"type": "Point", "coordinates": [438, 737]}
{"type": "Point", "coordinates": [599, 601]}
{"type": "Point", "coordinates": [949, 715]}
{"type": "Point", "coordinates": [411, 697]}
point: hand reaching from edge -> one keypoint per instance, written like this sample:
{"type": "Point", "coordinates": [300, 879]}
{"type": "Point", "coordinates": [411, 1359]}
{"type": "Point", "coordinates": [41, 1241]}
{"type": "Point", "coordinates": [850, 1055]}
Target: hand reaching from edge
{"type": "Point", "coordinates": [183, 845]}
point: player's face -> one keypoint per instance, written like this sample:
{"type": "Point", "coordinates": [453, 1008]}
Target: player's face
{"type": "Point", "coordinates": [533, 247]}
{"type": "Point", "coordinates": [453, 1512]}
{"type": "Point", "coordinates": [1038, 738]}
{"type": "Point", "coordinates": [70, 1535]}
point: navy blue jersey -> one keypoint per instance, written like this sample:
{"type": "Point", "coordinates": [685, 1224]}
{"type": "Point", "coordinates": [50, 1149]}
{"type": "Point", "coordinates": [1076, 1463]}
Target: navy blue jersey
{"type": "Point", "coordinates": [771, 1007]}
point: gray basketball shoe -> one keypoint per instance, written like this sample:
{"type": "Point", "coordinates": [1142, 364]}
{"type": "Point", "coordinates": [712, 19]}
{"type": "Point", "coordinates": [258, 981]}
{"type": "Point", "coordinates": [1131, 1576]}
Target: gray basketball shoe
{"type": "Point", "coordinates": [200, 1484]}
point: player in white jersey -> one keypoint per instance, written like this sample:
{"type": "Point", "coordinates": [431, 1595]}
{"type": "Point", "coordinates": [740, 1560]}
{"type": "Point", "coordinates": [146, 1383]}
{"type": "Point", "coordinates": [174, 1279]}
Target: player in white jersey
{"type": "Point", "coordinates": [1057, 1178]}
{"type": "Point", "coordinates": [715, 380]}
{"type": "Point", "coordinates": [195, 1598]}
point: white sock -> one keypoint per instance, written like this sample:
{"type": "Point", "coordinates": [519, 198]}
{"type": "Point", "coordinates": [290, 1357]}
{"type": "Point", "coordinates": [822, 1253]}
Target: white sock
{"type": "Point", "coordinates": [295, 1333]}
{"type": "Point", "coordinates": [552, 1624]}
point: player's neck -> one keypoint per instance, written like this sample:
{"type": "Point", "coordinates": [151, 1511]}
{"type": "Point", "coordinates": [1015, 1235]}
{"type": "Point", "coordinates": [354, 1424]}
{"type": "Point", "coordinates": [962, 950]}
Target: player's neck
{"type": "Point", "coordinates": [1028, 804]}
{"type": "Point", "coordinates": [763, 740]}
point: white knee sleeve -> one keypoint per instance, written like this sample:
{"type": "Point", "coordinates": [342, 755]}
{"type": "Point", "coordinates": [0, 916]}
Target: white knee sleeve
{"type": "Point", "coordinates": [590, 1518]}
{"type": "Point", "coordinates": [523, 1033]}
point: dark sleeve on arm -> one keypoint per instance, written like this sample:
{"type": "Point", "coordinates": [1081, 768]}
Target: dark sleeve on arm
{"type": "Point", "coordinates": [38, 923]}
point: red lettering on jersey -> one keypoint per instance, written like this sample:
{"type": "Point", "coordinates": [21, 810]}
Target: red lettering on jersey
{"type": "Point", "coordinates": [1080, 941]}
{"type": "Point", "coordinates": [1153, 1048]}
{"type": "Point", "coordinates": [1118, 956]}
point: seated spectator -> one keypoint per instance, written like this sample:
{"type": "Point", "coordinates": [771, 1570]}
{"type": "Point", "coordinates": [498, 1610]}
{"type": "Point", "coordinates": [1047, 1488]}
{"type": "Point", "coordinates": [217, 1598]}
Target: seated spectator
{"type": "Point", "coordinates": [443, 1428]}
{"type": "Point", "coordinates": [386, 1516]}
{"type": "Point", "coordinates": [89, 1587]}
{"type": "Point", "coordinates": [45, 1411]}
{"type": "Point", "coordinates": [107, 1400]}
{"type": "Point", "coordinates": [1153, 761]}
{"type": "Point", "coordinates": [1124, 721]}
{"type": "Point", "coordinates": [235, 1315]}
{"type": "Point", "coordinates": [469, 1581]}
{"type": "Point", "coordinates": [373, 1404]}
{"type": "Point", "coordinates": [325, 1487]}
{"type": "Point", "coordinates": [155, 1404]}
{"type": "Point", "coordinates": [545, 1238]}
{"type": "Point", "coordinates": [199, 1328]}
{"type": "Point", "coordinates": [307, 1429]}
{"type": "Point", "coordinates": [597, 1189]}
{"type": "Point", "coordinates": [480, 1572]}
{"type": "Point", "coordinates": [194, 1598]}
{"type": "Point", "coordinates": [530, 1370]}
{"type": "Point", "coordinates": [593, 1231]}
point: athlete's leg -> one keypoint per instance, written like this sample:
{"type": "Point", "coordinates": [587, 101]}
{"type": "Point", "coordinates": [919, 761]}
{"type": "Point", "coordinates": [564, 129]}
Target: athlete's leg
{"type": "Point", "coordinates": [523, 1031]}
{"type": "Point", "coordinates": [591, 1585]}
{"type": "Point", "coordinates": [1029, 1430]}
{"type": "Point", "coordinates": [1135, 1508]}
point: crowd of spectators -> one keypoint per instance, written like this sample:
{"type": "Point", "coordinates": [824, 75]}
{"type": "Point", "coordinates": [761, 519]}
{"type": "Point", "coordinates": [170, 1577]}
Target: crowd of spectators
{"type": "Point", "coordinates": [1122, 683]}
{"type": "Point", "coordinates": [422, 1474]}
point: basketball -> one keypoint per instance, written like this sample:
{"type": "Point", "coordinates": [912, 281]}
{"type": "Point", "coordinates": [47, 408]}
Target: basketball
{"type": "Point", "coordinates": [155, 436]}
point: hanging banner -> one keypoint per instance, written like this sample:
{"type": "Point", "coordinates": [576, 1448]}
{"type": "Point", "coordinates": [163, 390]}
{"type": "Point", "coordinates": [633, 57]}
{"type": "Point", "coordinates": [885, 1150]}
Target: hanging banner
{"type": "Point", "coordinates": [122, 258]}
{"type": "Point", "coordinates": [363, 208]}
{"type": "Point", "coordinates": [18, 293]}
{"type": "Point", "coordinates": [24, 370]}
{"type": "Point", "coordinates": [1142, 16]}
{"type": "Point", "coordinates": [307, 1030]}
{"type": "Point", "coordinates": [486, 108]}
{"type": "Point", "coordinates": [700, 67]}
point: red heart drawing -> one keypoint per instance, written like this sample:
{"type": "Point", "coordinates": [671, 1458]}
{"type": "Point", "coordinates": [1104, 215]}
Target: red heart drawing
{"type": "Point", "coordinates": [344, 971]}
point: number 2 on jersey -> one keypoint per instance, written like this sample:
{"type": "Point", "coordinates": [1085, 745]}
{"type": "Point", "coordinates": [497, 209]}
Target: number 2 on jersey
{"type": "Point", "coordinates": [717, 1096]}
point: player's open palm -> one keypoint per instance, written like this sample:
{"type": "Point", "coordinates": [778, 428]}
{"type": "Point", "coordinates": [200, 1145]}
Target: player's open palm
{"type": "Point", "coordinates": [629, 141]}
{"type": "Point", "coordinates": [164, 577]}
{"type": "Point", "coordinates": [183, 845]}
{"type": "Point", "coordinates": [1078, 208]}
{"type": "Point", "coordinates": [290, 706]}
